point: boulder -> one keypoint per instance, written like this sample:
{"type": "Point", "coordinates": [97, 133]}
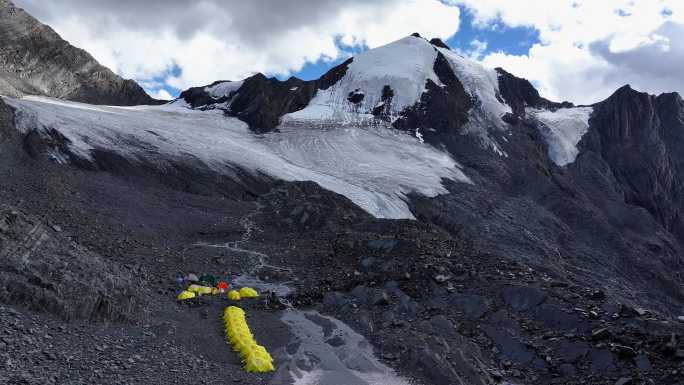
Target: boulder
{"type": "Point", "coordinates": [522, 298]}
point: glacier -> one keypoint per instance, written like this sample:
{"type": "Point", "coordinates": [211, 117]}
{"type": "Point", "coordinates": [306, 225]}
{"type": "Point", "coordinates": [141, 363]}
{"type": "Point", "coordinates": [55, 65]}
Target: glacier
{"type": "Point", "coordinates": [562, 129]}
{"type": "Point", "coordinates": [374, 166]}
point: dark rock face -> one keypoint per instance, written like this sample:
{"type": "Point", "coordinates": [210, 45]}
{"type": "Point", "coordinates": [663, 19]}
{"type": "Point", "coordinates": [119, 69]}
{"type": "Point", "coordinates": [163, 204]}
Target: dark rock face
{"type": "Point", "coordinates": [334, 74]}
{"type": "Point", "coordinates": [519, 93]}
{"type": "Point", "coordinates": [606, 206]}
{"type": "Point", "coordinates": [42, 271]}
{"type": "Point", "coordinates": [522, 298]}
{"type": "Point", "coordinates": [34, 60]}
{"type": "Point", "coordinates": [640, 137]}
{"type": "Point", "coordinates": [383, 110]}
{"type": "Point", "coordinates": [261, 102]}
{"type": "Point", "coordinates": [437, 42]}
{"type": "Point", "coordinates": [355, 97]}
{"type": "Point", "coordinates": [444, 109]}
{"type": "Point", "coordinates": [197, 96]}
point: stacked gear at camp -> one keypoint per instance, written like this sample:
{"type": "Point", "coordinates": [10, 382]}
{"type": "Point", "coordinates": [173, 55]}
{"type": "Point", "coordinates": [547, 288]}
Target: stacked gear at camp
{"type": "Point", "coordinates": [223, 286]}
{"type": "Point", "coordinates": [202, 290]}
{"type": "Point", "coordinates": [209, 279]}
{"type": "Point", "coordinates": [255, 357]}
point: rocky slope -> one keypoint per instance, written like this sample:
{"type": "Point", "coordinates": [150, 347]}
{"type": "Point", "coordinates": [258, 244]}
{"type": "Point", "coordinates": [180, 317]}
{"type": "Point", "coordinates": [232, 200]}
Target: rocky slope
{"type": "Point", "coordinates": [471, 230]}
{"type": "Point", "coordinates": [34, 60]}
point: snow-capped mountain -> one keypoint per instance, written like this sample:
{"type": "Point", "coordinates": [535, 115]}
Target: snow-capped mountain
{"type": "Point", "coordinates": [347, 137]}
{"type": "Point", "coordinates": [560, 212]}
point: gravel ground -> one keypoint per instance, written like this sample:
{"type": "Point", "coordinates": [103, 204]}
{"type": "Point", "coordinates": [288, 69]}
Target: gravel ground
{"type": "Point", "coordinates": [434, 308]}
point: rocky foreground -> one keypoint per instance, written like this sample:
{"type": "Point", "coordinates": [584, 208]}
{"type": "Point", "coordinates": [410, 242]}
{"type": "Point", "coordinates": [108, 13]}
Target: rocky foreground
{"type": "Point", "coordinates": [434, 309]}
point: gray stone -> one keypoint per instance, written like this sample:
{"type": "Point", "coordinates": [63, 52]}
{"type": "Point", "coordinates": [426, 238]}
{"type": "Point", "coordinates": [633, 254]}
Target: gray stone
{"type": "Point", "coordinates": [643, 363]}
{"type": "Point", "coordinates": [555, 318]}
{"type": "Point", "coordinates": [567, 370]}
{"type": "Point", "coordinates": [379, 298]}
{"type": "Point", "coordinates": [509, 347]}
{"type": "Point", "coordinates": [472, 306]}
{"type": "Point", "coordinates": [522, 298]}
{"type": "Point", "coordinates": [441, 278]}
{"type": "Point", "coordinates": [600, 334]}
{"type": "Point", "coordinates": [601, 360]}
{"type": "Point", "coordinates": [571, 352]}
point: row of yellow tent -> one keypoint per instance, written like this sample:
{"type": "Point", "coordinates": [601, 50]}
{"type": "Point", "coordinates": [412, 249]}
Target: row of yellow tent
{"type": "Point", "coordinates": [255, 357]}
{"type": "Point", "coordinates": [235, 295]}
{"type": "Point", "coordinates": [245, 292]}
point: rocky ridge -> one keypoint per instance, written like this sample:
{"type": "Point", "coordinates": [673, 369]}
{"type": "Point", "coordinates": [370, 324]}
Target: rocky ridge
{"type": "Point", "coordinates": [34, 60]}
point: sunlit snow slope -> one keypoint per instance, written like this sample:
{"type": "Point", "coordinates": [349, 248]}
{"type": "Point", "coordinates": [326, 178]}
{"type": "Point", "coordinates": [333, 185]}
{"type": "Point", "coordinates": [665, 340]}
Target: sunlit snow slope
{"type": "Point", "coordinates": [374, 167]}
{"type": "Point", "coordinates": [404, 65]}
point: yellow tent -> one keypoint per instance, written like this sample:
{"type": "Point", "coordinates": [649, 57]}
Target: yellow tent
{"type": "Point", "coordinates": [200, 289]}
{"type": "Point", "coordinates": [186, 295]}
{"type": "Point", "coordinates": [248, 292]}
{"type": "Point", "coordinates": [234, 295]}
{"type": "Point", "coordinates": [256, 357]}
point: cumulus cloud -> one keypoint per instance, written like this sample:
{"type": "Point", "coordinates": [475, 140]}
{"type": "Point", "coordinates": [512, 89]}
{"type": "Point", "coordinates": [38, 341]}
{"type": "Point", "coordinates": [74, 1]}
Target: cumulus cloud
{"type": "Point", "coordinates": [655, 63]}
{"type": "Point", "coordinates": [189, 43]}
{"type": "Point", "coordinates": [589, 48]}
{"type": "Point", "coordinates": [161, 94]}
{"type": "Point", "coordinates": [586, 48]}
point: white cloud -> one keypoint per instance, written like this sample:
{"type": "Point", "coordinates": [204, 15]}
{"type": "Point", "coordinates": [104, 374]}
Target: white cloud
{"type": "Point", "coordinates": [477, 48]}
{"type": "Point", "coordinates": [213, 39]}
{"type": "Point", "coordinates": [161, 94]}
{"type": "Point", "coordinates": [589, 48]}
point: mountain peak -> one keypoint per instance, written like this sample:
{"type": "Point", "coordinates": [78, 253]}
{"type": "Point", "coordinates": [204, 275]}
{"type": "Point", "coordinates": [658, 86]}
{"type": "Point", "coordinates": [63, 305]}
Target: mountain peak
{"type": "Point", "coordinates": [437, 42]}
{"type": "Point", "coordinates": [35, 60]}
{"type": "Point", "coordinates": [391, 84]}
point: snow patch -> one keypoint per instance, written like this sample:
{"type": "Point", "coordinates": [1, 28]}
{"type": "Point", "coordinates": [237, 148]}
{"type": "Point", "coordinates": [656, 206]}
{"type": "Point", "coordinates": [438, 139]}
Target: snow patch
{"type": "Point", "coordinates": [563, 129]}
{"type": "Point", "coordinates": [223, 89]}
{"type": "Point", "coordinates": [375, 167]}
{"type": "Point", "coordinates": [419, 135]}
{"type": "Point", "coordinates": [317, 361]}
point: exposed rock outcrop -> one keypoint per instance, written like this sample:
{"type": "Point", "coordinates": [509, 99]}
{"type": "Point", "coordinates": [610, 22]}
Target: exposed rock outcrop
{"type": "Point", "coordinates": [42, 271]}
{"type": "Point", "coordinates": [260, 101]}
{"type": "Point", "coordinates": [520, 93]}
{"type": "Point", "coordinates": [441, 108]}
{"type": "Point", "coordinates": [641, 138]}
{"type": "Point", "coordinates": [35, 60]}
